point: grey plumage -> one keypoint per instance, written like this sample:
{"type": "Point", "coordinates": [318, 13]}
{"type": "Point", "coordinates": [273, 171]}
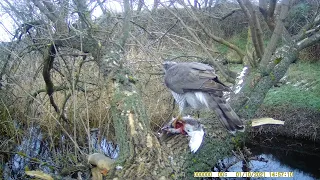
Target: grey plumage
{"type": "Point", "coordinates": [197, 86]}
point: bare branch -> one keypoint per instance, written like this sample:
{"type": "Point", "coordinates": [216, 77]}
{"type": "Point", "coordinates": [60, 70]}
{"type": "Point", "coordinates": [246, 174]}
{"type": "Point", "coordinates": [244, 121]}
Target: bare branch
{"type": "Point", "coordinates": [272, 45]}
{"type": "Point", "coordinates": [16, 12]}
{"type": "Point", "coordinates": [267, 9]}
{"type": "Point", "coordinates": [229, 79]}
{"type": "Point", "coordinates": [43, 9]}
{"type": "Point", "coordinates": [126, 23]}
{"type": "Point", "coordinates": [230, 13]}
{"type": "Point", "coordinates": [309, 28]}
{"type": "Point", "coordinates": [50, 6]}
{"type": "Point", "coordinates": [64, 9]}
{"type": "Point", "coordinates": [140, 5]}
{"type": "Point", "coordinates": [271, 12]}
{"type": "Point", "coordinates": [165, 33]}
{"type": "Point", "coordinates": [254, 31]}
{"type": "Point", "coordinates": [309, 41]}
{"type": "Point", "coordinates": [155, 5]}
{"type": "Point", "coordinates": [6, 29]}
{"type": "Point", "coordinates": [263, 5]}
{"type": "Point", "coordinates": [258, 29]}
{"type": "Point", "coordinates": [245, 9]}
{"type": "Point", "coordinates": [272, 7]}
{"type": "Point", "coordinates": [224, 16]}
{"type": "Point", "coordinates": [141, 27]}
{"type": "Point", "coordinates": [83, 12]}
{"type": "Point", "coordinates": [56, 89]}
{"type": "Point", "coordinates": [212, 36]}
{"type": "Point", "coordinates": [255, 25]}
{"type": "Point", "coordinates": [104, 11]}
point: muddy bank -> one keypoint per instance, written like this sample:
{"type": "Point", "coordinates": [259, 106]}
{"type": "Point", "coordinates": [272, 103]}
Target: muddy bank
{"type": "Point", "coordinates": [300, 123]}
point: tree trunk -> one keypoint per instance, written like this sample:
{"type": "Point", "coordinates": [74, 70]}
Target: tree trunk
{"type": "Point", "coordinates": [257, 84]}
{"type": "Point", "coordinates": [139, 148]}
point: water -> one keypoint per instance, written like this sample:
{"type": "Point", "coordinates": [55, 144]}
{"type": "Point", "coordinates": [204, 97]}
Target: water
{"type": "Point", "coordinates": [274, 164]}
{"type": "Point", "coordinates": [33, 153]}
{"type": "Point", "coordinates": [30, 154]}
{"type": "Point", "coordinates": [285, 155]}
{"type": "Point", "coordinates": [304, 165]}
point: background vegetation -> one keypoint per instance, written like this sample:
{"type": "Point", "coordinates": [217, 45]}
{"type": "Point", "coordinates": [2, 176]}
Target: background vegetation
{"type": "Point", "coordinates": [69, 74]}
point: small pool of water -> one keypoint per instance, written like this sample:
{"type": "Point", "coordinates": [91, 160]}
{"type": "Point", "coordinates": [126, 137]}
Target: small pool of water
{"type": "Point", "coordinates": [282, 155]}
{"type": "Point", "coordinates": [34, 153]}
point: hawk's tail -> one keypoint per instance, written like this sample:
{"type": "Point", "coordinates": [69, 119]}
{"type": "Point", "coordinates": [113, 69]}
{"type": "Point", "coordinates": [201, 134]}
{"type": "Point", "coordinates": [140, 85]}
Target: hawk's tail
{"type": "Point", "coordinates": [227, 116]}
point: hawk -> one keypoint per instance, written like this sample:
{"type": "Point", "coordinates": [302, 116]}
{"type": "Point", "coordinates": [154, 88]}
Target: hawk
{"type": "Point", "coordinates": [197, 86]}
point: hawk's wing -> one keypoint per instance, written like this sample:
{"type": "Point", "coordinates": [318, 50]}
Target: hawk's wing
{"type": "Point", "coordinates": [201, 79]}
{"type": "Point", "coordinates": [184, 77]}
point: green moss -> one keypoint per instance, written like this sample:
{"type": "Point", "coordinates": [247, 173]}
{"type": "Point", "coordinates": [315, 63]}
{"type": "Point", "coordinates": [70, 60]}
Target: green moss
{"type": "Point", "coordinates": [240, 40]}
{"type": "Point", "coordinates": [272, 76]}
{"type": "Point", "coordinates": [126, 99]}
{"type": "Point", "coordinates": [26, 168]}
{"type": "Point", "coordinates": [296, 93]}
{"type": "Point", "coordinates": [239, 140]}
{"type": "Point", "coordinates": [292, 96]}
{"type": "Point", "coordinates": [277, 60]}
{"type": "Point", "coordinates": [236, 67]}
{"type": "Point", "coordinates": [305, 71]}
{"type": "Point", "coordinates": [119, 120]}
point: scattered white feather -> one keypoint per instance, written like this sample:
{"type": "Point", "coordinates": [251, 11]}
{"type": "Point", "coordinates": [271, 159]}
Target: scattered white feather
{"type": "Point", "coordinates": [171, 159]}
{"type": "Point", "coordinates": [195, 140]}
{"type": "Point", "coordinates": [119, 167]}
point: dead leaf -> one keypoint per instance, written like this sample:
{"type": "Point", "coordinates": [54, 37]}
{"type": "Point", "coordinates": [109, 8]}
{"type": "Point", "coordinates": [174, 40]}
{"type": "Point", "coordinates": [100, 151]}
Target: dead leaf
{"type": "Point", "coordinates": [264, 121]}
{"type": "Point", "coordinates": [39, 174]}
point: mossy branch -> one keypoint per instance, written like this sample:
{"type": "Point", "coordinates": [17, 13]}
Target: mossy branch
{"type": "Point", "coordinates": [55, 88]}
